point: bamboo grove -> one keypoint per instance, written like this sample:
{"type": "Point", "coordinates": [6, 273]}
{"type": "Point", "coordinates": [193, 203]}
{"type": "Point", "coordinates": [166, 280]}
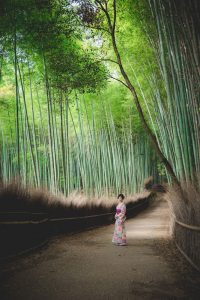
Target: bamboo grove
{"type": "Point", "coordinates": [58, 140]}
{"type": "Point", "coordinates": [178, 120]}
{"type": "Point", "coordinates": [67, 152]}
{"type": "Point", "coordinates": [173, 102]}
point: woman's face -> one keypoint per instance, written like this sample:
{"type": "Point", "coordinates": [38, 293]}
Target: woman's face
{"type": "Point", "coordinates": [120, 199]}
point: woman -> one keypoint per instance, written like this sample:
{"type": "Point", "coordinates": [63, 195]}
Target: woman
{"type": "Point", "coordinates": [119, 236]}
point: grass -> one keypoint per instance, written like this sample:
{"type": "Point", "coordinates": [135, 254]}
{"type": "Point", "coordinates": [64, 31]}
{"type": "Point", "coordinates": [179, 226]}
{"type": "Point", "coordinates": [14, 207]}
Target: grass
{"type": "Point", "coordinates": [186, 211]}
{"type": "Point", "coordinates": [15, 197]}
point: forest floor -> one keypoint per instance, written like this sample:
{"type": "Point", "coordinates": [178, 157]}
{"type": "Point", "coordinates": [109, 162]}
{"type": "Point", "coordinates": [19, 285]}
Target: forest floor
{"type": "Point", "coordinates": [87, 265]}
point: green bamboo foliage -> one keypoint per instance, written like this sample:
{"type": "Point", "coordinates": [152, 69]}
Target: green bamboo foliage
{"type": "Point", "coordinates": [90, 158]}
{"type": "Point", "coordinates": [179, 60]}
{"type": "Point", "coordinates": [173, 107]}
{"type": "Point", "coordinates": [59, 144]}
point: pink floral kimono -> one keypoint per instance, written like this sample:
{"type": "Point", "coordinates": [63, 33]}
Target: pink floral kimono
{"type": "Point", "coordinates": [119, 236]}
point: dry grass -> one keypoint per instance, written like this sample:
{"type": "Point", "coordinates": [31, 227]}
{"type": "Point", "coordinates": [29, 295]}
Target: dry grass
{"type": "Point", "coordinates": [148, 182]}
{"type": "Point", "coordinates": [15, 197]}
{"type": "Point", "coordinates": [187, 211]}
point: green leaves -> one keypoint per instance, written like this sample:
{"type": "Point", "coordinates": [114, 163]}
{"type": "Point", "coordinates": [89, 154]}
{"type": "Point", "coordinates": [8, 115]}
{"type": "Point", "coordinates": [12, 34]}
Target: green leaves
{"type": "Point", "coordinates": [68, 148]}
{"type": "Point", "coordinates": [51, 29]}
{"type": "Point", "coordinates": [177, 117]}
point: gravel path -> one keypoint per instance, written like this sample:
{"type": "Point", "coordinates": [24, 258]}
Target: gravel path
{"type": "Point", "coordinates": [88, 266]}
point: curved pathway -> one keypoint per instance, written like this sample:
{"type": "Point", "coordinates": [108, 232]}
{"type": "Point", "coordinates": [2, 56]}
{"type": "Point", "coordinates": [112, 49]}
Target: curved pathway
{"type": "Point", "coordinates": [88, 266]}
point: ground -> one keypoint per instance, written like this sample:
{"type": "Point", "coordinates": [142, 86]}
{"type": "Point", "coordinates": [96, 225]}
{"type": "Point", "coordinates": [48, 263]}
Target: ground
{"type": "Point", "coordinates": [87, 265]}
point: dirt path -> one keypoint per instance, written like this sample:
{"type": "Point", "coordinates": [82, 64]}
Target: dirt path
{"type": "Point", "coordinates": [88, 266]}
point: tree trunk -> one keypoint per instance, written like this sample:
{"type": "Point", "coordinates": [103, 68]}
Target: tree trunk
{"type": "Point", "coordinates": [134, 94]}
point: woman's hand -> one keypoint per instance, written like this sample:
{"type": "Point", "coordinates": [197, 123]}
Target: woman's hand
{"type": "Point", "coordinates": [122, 219]}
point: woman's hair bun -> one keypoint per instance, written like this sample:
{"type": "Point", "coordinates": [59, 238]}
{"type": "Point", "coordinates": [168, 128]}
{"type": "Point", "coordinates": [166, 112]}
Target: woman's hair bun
{"type": "Point", "coordinates": [121, 195]}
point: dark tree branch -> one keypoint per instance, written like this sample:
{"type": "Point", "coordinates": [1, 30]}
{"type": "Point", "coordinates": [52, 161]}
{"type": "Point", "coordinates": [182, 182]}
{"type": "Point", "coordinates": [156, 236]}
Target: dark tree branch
{"type": "Point", "coordinates": [101, 5]}
{"type": "Point", "coordinates": [114, 14]}
{"type": "Point", "coordinates": [110, 60]}
{"type": "Point", "coordinates": [130, 86]}
{"type": "Point", "coordinates": [119, 81]}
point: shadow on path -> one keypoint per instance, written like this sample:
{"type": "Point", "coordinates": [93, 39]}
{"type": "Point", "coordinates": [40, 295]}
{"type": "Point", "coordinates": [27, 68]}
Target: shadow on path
{"type": "Point", "coordinates": [88, 266]}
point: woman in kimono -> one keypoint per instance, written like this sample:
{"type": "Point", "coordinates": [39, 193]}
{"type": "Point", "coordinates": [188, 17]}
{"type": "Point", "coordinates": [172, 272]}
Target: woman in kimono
{"type": "Point", "coordinates": [119, 236]}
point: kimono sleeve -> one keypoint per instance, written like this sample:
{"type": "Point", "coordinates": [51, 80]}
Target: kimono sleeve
{"type": "Point", "coordinates": [122, 215]}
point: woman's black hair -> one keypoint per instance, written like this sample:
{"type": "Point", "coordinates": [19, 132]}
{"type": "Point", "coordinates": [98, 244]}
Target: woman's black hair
{"type": "Point", "coordinates": [121, 195]}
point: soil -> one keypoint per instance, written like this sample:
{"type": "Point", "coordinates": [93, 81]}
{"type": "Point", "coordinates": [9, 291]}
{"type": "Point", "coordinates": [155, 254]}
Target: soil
{"type": "Point", "coordinates": [87, 265]}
